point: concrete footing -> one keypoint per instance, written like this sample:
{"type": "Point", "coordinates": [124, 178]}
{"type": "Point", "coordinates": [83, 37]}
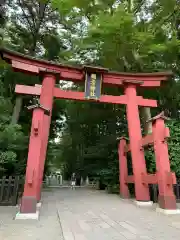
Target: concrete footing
{"type": "Point", "coordinates": [26, 216]}
{"type": "Point", "coordinates": [168, 211]}
{"type": "Point", "coordinates": [143, 204]}
{"type": "Point", "coordinates": [39, 204]}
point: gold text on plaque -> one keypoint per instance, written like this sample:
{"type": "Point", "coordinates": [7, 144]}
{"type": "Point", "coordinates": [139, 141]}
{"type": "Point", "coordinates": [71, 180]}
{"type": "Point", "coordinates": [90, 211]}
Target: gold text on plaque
{"type": "Point", "coordinates": [93, 85]}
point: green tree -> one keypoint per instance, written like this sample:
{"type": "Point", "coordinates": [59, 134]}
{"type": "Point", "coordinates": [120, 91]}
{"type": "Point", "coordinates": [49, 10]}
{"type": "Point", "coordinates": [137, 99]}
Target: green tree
{"type": "Point", "coordinates": [128, 35]}
{"type": "Point", "coordinates": [12, 140]}
{"type": "Point", "coordinates": [35, 31]}
{"type": "Point", "coordinates": [132, 36]}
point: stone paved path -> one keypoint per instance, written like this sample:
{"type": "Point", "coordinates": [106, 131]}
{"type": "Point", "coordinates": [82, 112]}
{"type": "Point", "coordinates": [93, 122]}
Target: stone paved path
{"type": "Point", "coordinates": [47, 228]}
{"type": "Point", "coordinates": [89, 215]}
{"type": "Point", "coordinates": [93, 215]}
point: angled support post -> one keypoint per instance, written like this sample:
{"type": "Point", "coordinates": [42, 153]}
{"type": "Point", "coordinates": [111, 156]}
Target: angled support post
{"type": "Point", "coordinates": [165, 177]}
{"type": "Point", "coordinates": [123, 169]}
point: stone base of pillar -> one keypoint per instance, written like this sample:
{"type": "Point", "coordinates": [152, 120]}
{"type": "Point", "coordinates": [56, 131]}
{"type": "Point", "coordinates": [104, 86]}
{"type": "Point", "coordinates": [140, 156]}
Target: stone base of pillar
{"type": "Point", "coordinates": [167, 202]}
{"type": "Point", "coordinates": [168, 211]}
{"type": "Point", "coordinates": [28, 205]}
{"type": "Point", "coordinates": [123, 196]}
{"type": "Point", "coordinates": [143, 203]}
{"type": "Point", "coordinates": [38, 205]}
{"type": "Point", "coordinates": [26, 216]}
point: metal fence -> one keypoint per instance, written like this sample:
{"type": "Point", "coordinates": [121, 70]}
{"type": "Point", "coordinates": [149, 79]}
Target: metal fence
{"type": "Point", "coordinates": [10, 190]}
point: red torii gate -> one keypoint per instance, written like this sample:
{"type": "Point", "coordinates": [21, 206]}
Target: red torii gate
{"type": "Point", "coordinates": [42, 111]}
{"type": "Point", "coordinates": [163, 176]}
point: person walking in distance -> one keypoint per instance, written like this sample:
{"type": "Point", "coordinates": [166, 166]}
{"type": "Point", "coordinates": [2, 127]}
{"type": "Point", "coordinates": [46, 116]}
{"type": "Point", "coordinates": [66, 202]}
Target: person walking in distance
{"type": "Point", "coordinates": [73, 181]}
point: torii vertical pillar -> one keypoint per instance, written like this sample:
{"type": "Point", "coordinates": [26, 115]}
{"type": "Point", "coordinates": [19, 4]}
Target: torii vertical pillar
{"type": "Point", "coordinates": [123, 169]}
{"type": "Point", "coordinates": [47, 100]}
{"type": "Point", "coordinates": [37, 146]}
{"type": "Point", "coordinates": [135, 136]}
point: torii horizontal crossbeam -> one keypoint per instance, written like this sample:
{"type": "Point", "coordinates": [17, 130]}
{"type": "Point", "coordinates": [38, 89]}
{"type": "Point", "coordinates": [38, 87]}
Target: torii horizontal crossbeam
{"type": "Point", "coordinates": [74, 95]}
{"type": "Point", "coordinates": [30, 65]}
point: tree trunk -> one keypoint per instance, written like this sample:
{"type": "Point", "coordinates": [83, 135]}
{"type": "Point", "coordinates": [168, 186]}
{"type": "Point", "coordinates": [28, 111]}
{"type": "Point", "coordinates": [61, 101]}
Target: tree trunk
{"type": "Point", "coordinates": [16, 110]}
{"type": "Point", "coordinates": [146, 115]}
{"type": "Point", "coordinates": [130, 5]}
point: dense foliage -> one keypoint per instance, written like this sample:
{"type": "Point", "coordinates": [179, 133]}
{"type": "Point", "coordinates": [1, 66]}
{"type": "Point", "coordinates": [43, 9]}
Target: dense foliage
{"type": "Point", "coordinates": [126, 35]}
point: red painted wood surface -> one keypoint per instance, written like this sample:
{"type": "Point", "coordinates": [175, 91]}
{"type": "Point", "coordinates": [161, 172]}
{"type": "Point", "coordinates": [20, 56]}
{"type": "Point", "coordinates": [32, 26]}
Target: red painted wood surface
{"type": "Point", "coordinates": [127, 148]}
{"type": "Point", "coordinates": [37, 147]}
{"type": "Point", "coordinates": [152, 178]}
{"type": "Point", "coordinates": [41, 124]}
{"type": "Point", "coordinates": [35, 144]}
{"type": "Point", "coordinates": [171, 178]}
{"type": "Point", "coordinates": [167, 199]}
{"type": "Point", "coordinates": [145, 141]}
{"type": "Point", "coordinates": [149, 178]}
{"type": "Point", "coordinates": [123, 170]}
{"type": "Point", "coordinates": [130, 179]}
{"type": "Point", "coordinates": [163, 177]}
{"type": "Point", "coordinates": [149, 140]}
{"type": "Point", "coordinates": [46, 99]}
{"type": "Point", "coordinates": [134, 129]}
{"type": "Point", "coordinates": [34, 66]}
{"type": "Point", "coordinates": [74, 95]}
{"type": "Point", "coordinates": [146, 179]}
{"type": "Point", "coordinates": [72, 74]}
